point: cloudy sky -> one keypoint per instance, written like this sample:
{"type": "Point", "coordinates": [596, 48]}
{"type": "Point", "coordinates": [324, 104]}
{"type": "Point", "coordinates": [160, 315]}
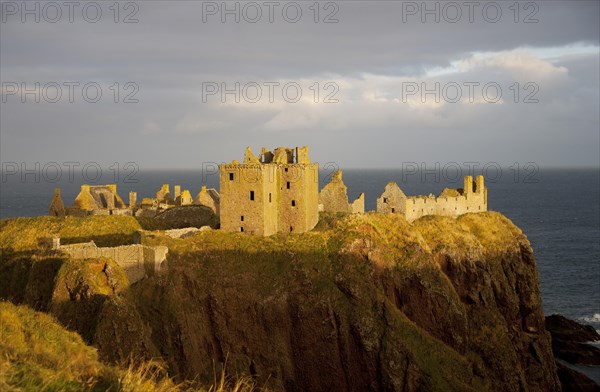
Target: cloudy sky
{"type": "Point", "coordinates": [363, 83]}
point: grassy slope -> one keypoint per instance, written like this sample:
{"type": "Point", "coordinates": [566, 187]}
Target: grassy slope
{"type": "Point", "coordinates": [38, 354]}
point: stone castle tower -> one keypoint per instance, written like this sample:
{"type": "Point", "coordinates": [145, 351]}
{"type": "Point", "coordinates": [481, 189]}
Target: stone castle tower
{"type": "Point", "coordinates": [274, 192]}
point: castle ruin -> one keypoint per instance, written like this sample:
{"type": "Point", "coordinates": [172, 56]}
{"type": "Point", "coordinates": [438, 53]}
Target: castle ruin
{"type": "Point", "coordinates": [334, 197]}
{"type": "Point", "coordinates": [92, 200]}
{"type": "Point", "coordinates": [273, 192]}
{"type": "Point", "coordinates": [451, 202]}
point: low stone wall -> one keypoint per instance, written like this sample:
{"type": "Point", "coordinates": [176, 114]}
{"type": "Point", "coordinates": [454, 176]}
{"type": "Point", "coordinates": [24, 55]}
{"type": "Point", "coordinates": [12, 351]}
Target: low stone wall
{"type": "Point", "coordinates": [138, 261]}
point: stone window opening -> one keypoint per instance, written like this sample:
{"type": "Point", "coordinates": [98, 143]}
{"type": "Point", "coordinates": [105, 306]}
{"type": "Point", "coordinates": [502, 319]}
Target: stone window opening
{"type": "Point", "coordinates": [291, 229]}
{"type": "Point", "coordinates": [288, 185]}
{"type": "Point", "coordinates": [293, 203]}
{"type": "Point", "coordinates": [393, 210]}
{"type": "Point", "coordinates": [252, 195]}
{"type": "Point", "coordinates": [230, 176]}
{"type": "Point", "coordinates": [242, 229]}
{"type": "Point", "coordinates": [269, 197]}
{"type": "Point", "coordinates": [103, 201]}
{"type": "Point", "coordinates": [286, 169]}
{"type": "Point", "coordinates": [385, 199]}
{"type": "Point", "coordinates": [242, 218]}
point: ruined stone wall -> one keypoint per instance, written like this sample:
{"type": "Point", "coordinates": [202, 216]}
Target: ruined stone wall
{"type": "Point", "coordinates": [472, 199]}
{"type": "Point", "coordinates": [57, 207]}
{"type": "Point", "coordinates": [419, 206]}
{"type": "Point", "coordinates": [334, 195]}
{"type": "Point", "coordinates": [358, 205]}
{"type": "Point", "coordinates": [138, 261]}
{"type": "Point", "coordinates": [204, 198]}
{"type": "Point", "coordinates": [392, 200]}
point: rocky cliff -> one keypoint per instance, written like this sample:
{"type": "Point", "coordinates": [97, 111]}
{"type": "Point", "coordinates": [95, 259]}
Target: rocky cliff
{"type": "Point", "coordinates": [365, 302]}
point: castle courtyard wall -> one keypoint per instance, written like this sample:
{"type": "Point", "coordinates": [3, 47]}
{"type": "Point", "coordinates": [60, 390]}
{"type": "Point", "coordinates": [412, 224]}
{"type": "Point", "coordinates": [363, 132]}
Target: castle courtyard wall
{"type": "Point", "coordinates": [138, 261]}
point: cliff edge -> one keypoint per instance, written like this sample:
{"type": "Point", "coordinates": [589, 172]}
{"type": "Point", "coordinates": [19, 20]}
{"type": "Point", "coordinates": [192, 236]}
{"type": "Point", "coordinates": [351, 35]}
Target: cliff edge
{"type": "Point", "coordinates": [364, 302]}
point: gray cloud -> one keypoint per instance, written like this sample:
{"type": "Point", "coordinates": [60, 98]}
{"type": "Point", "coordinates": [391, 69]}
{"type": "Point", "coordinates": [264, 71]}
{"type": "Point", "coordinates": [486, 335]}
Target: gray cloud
{"type": "Point", "coordinates": [369, 53]}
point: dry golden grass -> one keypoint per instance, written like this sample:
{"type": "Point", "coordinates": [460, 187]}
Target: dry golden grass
{"type": "Point", "coordinates": [23, 234]}
{"type": "Point", "coordinates": [37, 354]}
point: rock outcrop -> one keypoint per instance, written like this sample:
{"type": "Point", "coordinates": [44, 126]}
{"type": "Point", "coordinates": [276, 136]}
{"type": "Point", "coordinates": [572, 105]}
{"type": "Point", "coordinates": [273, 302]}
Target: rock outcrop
{"type": "Point", "coordinates": [569, 340]}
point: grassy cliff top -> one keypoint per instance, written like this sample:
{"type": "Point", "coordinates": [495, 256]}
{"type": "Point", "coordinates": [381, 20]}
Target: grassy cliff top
{"type": "Point", "coordinates": [488, 230]}
{"type": "Point", "coordinates": [22, 234]}
{"type": "Point", "coordinates": [335, 233]}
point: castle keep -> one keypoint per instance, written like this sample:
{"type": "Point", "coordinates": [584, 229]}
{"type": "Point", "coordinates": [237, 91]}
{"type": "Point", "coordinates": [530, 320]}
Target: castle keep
{"type": "Point", "coordinates": [273, 192]}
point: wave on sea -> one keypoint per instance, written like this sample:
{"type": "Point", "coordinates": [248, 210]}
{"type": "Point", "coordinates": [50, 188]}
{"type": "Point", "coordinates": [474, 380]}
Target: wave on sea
{"type": "Point", "coordinates": [593, 319]}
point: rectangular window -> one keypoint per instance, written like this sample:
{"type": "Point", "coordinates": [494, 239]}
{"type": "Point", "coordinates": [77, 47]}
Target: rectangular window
{"type": "Point", "coordinates": [286, 169]}
{"type": "Point", "coordinates": [393, 210]}
{"type": "Point", "coordinates": [269, 197]}
{"type": "Point", "coordinates": [385, 199]}
{"type": "Point", "coordinates": [242, 218]}
{"type": "Point", "coordinates": [291, 229]}
{"type": "Point", "coordinates": [293, 203]}
{"type": "Point", "coordinates": [251, 195]}
{"type": "Point", "coordinates": [242, 229]}
{"type": "Point", "coordinates": [288, 185]}
{"type": "Point", "coordinates": [230, 176]}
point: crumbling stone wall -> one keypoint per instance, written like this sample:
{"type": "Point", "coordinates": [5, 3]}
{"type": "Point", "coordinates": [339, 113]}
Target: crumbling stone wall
{"type": "Point", "coordinates": [358, 205]}
{"type": "Point", "coordinates": [94, 200]}
{"type": "Point", "coordinates": [392, 200]}
{"type": "Point", "coordinates": [451, 202]}
{"type": "Point", "coordinates": [57, 207]}
{"type": "Point", "coordinates": [469, 199]}
{"type": "Point", "coordinates": [138, 261]}
{"type": "Point", "coordinates": [334, 197]}
{"type": "Point", "coordinates": [209, 198]}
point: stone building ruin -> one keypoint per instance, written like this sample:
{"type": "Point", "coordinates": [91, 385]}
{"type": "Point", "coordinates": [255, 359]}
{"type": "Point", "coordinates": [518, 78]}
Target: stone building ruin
{"type": "Point", "coordinates": [451, 202]}
{"type": "Point", "coordinates": [91, 200]}
{"type": "Point", "coordinates": [273, 192]}
{"type": "Point", "coordinates": [334, 197]}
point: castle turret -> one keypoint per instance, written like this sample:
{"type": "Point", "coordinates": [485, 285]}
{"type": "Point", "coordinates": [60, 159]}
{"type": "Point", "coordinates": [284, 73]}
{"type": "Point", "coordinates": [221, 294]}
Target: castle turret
{"type": "Point", "coordinates": [302, 155]}
{"type": "Point", "coordinates": [479, 187]}
{"type": "Point", "coordinates": [468, 187]}
{"type": "Point", "coordinates": [177, 192]}
{"type": "Point", "coordinates": [132, 199]}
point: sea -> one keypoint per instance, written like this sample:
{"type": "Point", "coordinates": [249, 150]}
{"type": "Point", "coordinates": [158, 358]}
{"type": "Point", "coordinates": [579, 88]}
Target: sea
{"type": "Point", "coordinates": [558, 210]}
